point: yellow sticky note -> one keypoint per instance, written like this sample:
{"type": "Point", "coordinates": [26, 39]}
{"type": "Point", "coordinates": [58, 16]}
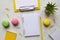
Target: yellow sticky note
{"type": "Point", "coordinates": [10, 36]}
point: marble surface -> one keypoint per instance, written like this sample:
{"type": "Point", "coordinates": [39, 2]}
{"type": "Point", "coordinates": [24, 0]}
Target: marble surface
{"type": "Point", "coordinates": [7, 12]}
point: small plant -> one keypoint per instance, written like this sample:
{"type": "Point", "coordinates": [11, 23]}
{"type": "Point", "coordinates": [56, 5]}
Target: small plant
{"type": "Point", "coordinates": [50, 8]}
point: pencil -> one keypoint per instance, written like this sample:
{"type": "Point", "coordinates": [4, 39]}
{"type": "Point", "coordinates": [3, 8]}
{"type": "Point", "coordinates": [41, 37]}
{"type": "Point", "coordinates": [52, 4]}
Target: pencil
{"type": "Point", "coordinates": [41, 30]}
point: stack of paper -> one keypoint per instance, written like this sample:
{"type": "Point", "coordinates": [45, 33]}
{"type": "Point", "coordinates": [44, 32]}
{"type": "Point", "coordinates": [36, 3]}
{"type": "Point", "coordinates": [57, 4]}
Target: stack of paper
{"type": "Point", "coordinates": [31, 24]}
{"type": "Point", "coordinates": [55, 34]}
{"type": "Point", "coordinates": [26, 3]}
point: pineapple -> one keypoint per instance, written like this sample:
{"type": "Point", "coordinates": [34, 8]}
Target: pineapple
{"type": "Point", "coordinates": [50, 8]}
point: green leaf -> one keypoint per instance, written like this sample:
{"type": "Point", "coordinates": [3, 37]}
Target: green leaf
{"type": "Point", "coordinates": [50, 8]}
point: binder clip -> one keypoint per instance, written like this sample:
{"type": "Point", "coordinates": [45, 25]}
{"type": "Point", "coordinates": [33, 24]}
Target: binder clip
{"type": "Point", "coordinates": [26, 8]}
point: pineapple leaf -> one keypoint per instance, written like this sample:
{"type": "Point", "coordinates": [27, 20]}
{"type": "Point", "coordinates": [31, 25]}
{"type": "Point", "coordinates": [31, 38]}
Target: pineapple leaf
{"type": "Point", "coordinates": [50, 8]}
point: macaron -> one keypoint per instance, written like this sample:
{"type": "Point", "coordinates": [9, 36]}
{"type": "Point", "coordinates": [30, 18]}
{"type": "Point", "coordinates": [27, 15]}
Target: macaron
{"type": "Point", "coordinates": [5, 23]}
{"type": "Point", "coordinates": [46, 22]}
{"type": "Point", "coordinates": [15, 21]}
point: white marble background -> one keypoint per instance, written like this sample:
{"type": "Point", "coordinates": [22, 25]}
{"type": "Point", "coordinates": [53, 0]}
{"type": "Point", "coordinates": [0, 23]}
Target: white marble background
{"type": "Point", "coordinates": [9, 4]}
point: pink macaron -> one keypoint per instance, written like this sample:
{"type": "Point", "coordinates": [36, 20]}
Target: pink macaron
{"type": "Point", "coordinates": [15, 21]}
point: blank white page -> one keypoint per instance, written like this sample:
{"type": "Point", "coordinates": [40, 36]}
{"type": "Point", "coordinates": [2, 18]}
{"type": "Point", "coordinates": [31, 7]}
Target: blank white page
{"type": "Point", "coordinates": [55, 34]}
{"type": "Point", "coordinates": [31, 25]}
{"type": "Point", "coordinates": [20, 3]}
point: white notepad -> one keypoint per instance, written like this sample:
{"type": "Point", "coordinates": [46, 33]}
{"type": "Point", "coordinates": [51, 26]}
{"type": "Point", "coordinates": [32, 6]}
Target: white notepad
{"type": "Point", "coordinates": [23, 3]}
{"type": "Point", "coordinates": [55, 34]}
{"type": "Point", "coordinates": [31, 24]}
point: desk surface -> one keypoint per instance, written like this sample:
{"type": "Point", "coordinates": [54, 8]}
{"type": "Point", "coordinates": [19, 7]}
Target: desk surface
{"type": "Point", "coordinates": [9, 4]}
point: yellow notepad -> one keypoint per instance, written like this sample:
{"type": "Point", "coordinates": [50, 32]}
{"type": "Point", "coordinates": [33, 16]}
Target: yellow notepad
{"type": "Point", "coordinates": [19, 3]}
{"type": "Point", "coordinates": [10, 36]}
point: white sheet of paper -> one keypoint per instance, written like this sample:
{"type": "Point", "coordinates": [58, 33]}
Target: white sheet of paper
{"type": "Point", "coordinates": [31, 25]}
{"type": "Point", "coordinates": [55, 34]}
{"type": "Point", "coordinates": [20, 3]}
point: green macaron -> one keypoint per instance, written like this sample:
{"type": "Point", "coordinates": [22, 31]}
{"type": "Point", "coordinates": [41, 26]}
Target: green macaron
{"type": "Point", "coordinates": [5, 23]}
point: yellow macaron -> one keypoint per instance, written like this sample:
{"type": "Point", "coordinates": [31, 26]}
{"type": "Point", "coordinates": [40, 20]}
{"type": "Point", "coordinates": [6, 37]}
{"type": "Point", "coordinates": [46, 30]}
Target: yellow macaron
{"type": "Point", "coordinates": [47, 22]}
